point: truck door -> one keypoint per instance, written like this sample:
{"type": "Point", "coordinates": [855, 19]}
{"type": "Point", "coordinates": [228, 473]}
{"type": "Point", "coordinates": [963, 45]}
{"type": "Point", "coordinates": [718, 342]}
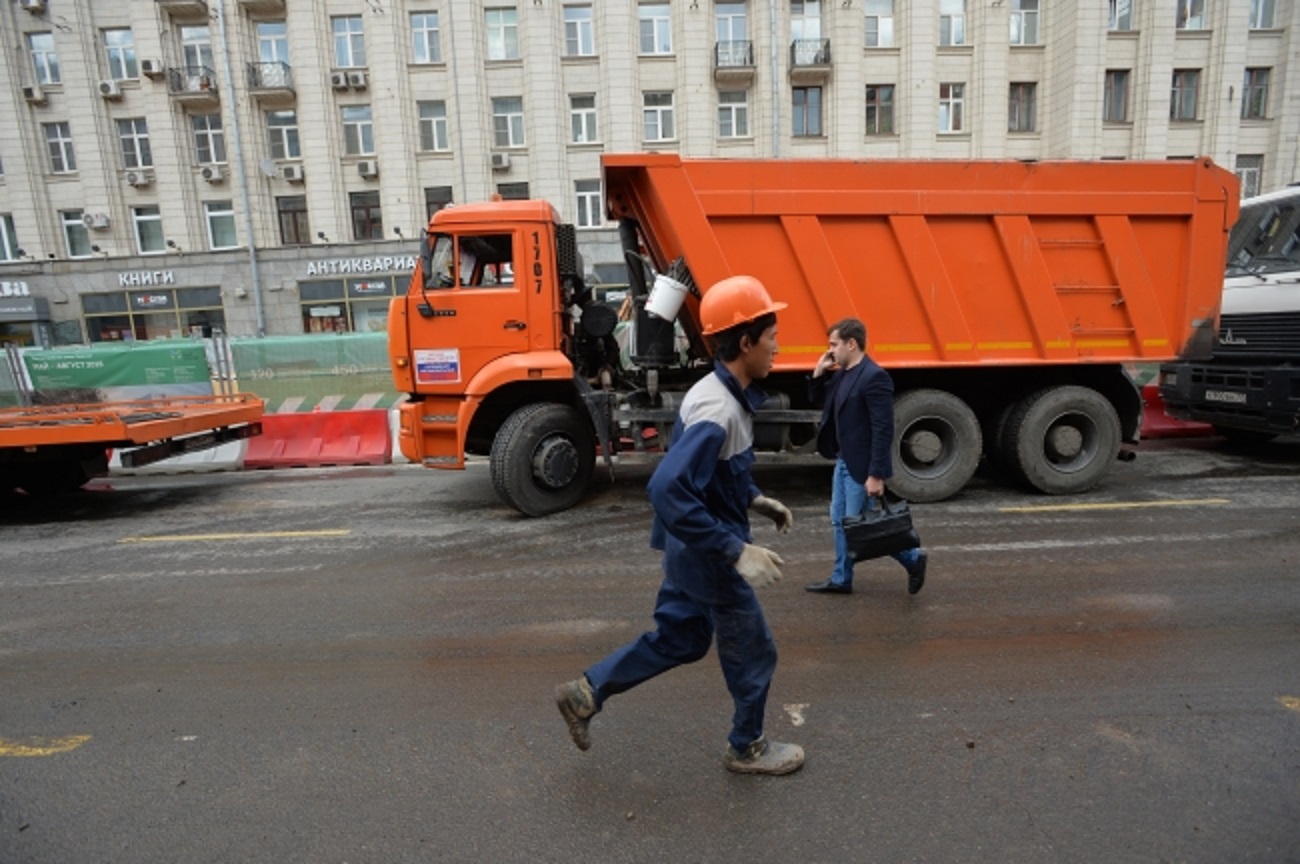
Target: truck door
{"type": "Point", "coordinates": [471, 311]}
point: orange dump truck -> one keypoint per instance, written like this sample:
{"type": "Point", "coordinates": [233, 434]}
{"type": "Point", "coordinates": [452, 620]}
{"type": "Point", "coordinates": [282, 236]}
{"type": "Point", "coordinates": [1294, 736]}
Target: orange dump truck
{"type": "Point", "coordinates": [1004, 297]}
{"type": "Point", "coordinates": [49, 449]}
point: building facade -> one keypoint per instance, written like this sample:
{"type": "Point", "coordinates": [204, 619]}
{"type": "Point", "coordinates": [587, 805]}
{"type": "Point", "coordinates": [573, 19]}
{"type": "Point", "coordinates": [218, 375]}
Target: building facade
{"type": "Point", "coordinates": [267, 166]}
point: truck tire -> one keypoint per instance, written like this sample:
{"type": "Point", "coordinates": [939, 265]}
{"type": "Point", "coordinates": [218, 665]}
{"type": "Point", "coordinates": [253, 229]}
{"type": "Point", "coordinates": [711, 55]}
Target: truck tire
{"type": "Point", "coordinates": [542, 458]}
{"type": "Point", "coordinates": [51, 479]}
{"type": "Point", "coordinates": [937, 445]}
{"type": "Point", "coordinates": [1062, 440]}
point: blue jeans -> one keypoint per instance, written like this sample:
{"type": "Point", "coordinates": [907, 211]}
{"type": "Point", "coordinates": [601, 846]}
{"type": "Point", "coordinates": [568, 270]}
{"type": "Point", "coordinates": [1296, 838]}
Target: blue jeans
{"type": "Point", "coordinates": [684, 630]}
{"type": "Point", "coordinates": [849, 498]}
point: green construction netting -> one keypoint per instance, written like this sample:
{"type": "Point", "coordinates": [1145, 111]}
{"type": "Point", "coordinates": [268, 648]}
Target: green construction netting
{"type": "Point", "coordinates": [305, 373]}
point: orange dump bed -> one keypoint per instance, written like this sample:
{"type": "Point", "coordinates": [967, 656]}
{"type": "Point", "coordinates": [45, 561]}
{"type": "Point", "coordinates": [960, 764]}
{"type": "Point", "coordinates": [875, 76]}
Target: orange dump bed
{"type": "Point", "coordinates": [119, 424]}
{"type": "Point", "coordinates": [949, 263]}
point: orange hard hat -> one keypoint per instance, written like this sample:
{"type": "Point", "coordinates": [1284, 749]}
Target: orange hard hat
{"type": "Point", "coordinates": [734, 300]}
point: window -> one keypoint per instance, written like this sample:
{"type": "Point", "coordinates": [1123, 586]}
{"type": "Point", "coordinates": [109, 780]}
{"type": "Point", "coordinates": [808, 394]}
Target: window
{"type": "Point", "coordinates": [209, 138]}
{"type": "Point", "coordinates": [291, 211]}
{"type": "Point", "coordinates": [1182, 99]}
{"type": "Point", "coordinates": [1024, 22]}
{"type": "Point", "coordinates": [433, 126]}
{"type": "Point", "coordinates": [358, 130]}
{"type": "Point", "coordinates": [513, 192]}
{"type": "Point", "coordinates": [272, 43]}
{"type": "Point", "coordinates": [880, 109]}
{"type": "Point", "coordinates": [952, 101]}
{"type": "Point", "coordinates": [1190, 14]}
{"type": "Point", "coordinates": [1021, 108]}
{"type": "Point", "coordinates": [588, 193]}
{"type": "Point", "coordinates": [58, 142]}
{"type": "Point", "coordinates": [732, 27]}
{"type": "Point", "coordinates": [1254, 94]}
{"type": "Point", "coordinates": [221, 224]}
{"type": "Point", "coordinates": [1120, 15]}
{"type": "Point", "coordinates": [579, 34]}
{"type": "Point", "coordinates": [807, 111]}
{"type": "Point", "coordinates": [196, 51]}
{"type": "Point", "coordinates": [655, 23]}
{"type": "Point", "coordinates": [367, 220]}
{"type": "Point", "coordinates": [1115, 100]}
{"type": "Point", "coordinates": [282, 134]}
{"type": "Point", "coordinates": [733, 114]}
{"type": "Point", "coordinates": [1261, 14]}
{"type": "Point", "coordinates": [508, 122]}
{"type": "Point", "coordinates": [134, 137]}
{"type": "Point", "coordinates": [582, 118]}
{"type": "Point", "coordinates": [75, 234]}
{"type": "Point", "coordinates": [880, 23]}
{"type": "Point", "coordinates": [148, 230]}
{"type": "Point", "coordinates": [349, 41]}
{"type": "Point", "coordinates": [44, 59]}
{"type": "Point", "coordinates": [155, 313]}
{"type": "Point", "coordinates": [1249, 171]}
{"type": "Point", "coordinates": [8, 238]}
{"type": "Point", "coordinates": [657, 116]}
{"type": "Point", "coordinates": [347, 305]}
{"type": "Point", "coordinates": [952, 22]}
{"type": "Point", "coordinates": [436, 197]}
{"type": "Point", "coordinates": [424, 37]}
{"type": "Point", "coordinates": [502, 34]}
{"type": "Point", "coordinates": [119, 51]}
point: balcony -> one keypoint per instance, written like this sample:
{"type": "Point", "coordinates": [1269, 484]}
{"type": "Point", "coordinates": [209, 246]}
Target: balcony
{"type": "Point", "coordinates": [184, 8]}
{"type": "Point", "coordinates": [263, 7]}
{"type": "Point", "coordinates": [271, 83]}
{"type": "Point", "coordinates": [810, 60]}
{"type": "Point", "coordinates": [733, 61]}
{"type": "Point", "coordinates": [193, 86]}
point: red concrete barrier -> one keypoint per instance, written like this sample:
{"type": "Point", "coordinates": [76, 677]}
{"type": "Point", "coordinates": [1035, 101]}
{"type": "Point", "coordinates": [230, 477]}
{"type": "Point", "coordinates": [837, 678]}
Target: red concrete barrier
{"type": "Point", "coordinates": [1157, 424]}
{"type": "Point", "coordinates": [321, 438]}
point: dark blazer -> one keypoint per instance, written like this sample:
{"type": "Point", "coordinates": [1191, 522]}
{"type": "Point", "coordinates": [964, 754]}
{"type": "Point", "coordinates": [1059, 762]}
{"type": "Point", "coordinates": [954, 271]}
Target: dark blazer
{"type": "Point", "coordinates": [857, 418]}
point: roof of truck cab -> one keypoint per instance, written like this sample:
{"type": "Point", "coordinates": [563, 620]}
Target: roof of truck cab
{"type": "Point", "coordinates": [496, 211]}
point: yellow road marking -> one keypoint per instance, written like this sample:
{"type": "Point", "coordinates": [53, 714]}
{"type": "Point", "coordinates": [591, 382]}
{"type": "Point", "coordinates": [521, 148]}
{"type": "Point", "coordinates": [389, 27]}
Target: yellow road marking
{"type": "Point", "coordinates": [1118, 505]}
{"type": "Point", "coordinates": [41, 746]}
{"type": "Point", "coordinates": [1291, 703]}
{"type": "Point", "coordinates": [250, 535]}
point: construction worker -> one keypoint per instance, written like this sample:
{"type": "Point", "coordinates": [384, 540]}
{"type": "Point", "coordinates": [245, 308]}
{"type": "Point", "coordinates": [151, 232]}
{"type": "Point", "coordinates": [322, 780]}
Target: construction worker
{"type": "Point", "coordinates": [702, 493]}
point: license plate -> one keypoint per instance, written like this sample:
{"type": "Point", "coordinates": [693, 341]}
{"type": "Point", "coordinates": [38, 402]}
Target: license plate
{"type": "Point", "coordinates": [1225, 396]}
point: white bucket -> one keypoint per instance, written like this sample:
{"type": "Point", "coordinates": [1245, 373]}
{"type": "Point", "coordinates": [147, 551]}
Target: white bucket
{"type": "Point", "coordinates": [665, 297]}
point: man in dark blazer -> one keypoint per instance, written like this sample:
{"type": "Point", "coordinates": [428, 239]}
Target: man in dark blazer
{"type": "Point", "coordinates": [857, 431]}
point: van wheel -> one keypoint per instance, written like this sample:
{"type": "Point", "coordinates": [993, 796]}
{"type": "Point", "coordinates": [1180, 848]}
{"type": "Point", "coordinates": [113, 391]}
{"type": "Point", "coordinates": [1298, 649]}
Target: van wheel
{"type": "Point", "coordinates": [1062, 440]}
{"type": "Point", "coordinates": [937, 444]}
{"type": "Point", "coordinates": [543, 458]}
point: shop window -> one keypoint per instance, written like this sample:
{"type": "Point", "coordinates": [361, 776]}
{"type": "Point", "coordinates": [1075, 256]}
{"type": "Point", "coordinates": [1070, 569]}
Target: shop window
{"type": "Point", "coordinates": [153, 313]}
{"type": "Point", "coordinates": [358, 305]}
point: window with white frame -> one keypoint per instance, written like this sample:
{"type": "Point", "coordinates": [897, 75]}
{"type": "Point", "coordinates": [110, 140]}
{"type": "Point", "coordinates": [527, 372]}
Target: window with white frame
{"type": "Point", "coordinates": [502, 34]}
{"type": "Point", "coordinates": [807, 112]}
{"type": "Point", "coordinates": [657, 116]}
{"type": "Point", "coordinates": [1114, 107]}
{"type": "Point", "coordinates": [358, 130]}
{"type": "Point", "coordinates": [45, 61]}
{"type": "Point", "coordinates": [1250, 171]}
{"type": "Point", "coordinates": [272, 42]}
{"type": "Point", "coordinates": [806, 32]}
{"type": "Point", "coordinates": [731, 26]}
{"type": "Point", "coordinates": [209, 139]}
{"type": "Point", "coordinates": [425, 45]}
{"type": "Point", "coordinates": [880, 109]}
{"type": "Point", "coordinates": [1261, 14]}
{"type": "Point", "coordinates": [508, 121]}
{"type": "Point", "coordinates": [349, 41]}
{"type": "Point", "coordinates": [1183, 94]}
{"type": "Point", "coordinates": [75, 235]}
{"type": "Point", "coordinates": [8, 238]}
{"type": "Point", "coordinates": [119, 52]}
{"type": "Point", "coordinates": [582, 118]}
{"type": "Point", "coordinates": [133, 135]}
{"type": "Point", "coordinates": [433, 125]}
{"type": "Point", "coordinates": [952, 105]}
{"type": "Point", "coordinates": [579, 32]}
{"type": "Point", "coordinates": [1021, 107]}
{"type": "Point", "coordinates": [1120, 15]}
{"type": "Point", "coordinates": [1024, 22]}
{"type": "Point", "coordinates": [952, 22]}
{"type": "Point", "coordinates": [220, 217]}
{"type": "Point", "coordinates": [1254, 94]}
{"type": "Point", "coordinates": [282, 134]}
{"type": "Point", "coordinates": [655, 27]}
{"type": "Point", "coordinates": [58, 143]}
{"type": "Point", "coordinates": [588, 194]}
{"type": "Point", "coordinates": [1190, 14]}
{"type": "Point", "coordinates": [196, 50]}
{"type": "Point", "coordinates": [733, 114]}
{"type": "Point", "coordinates": [149, 238]}
{"type": "Point", "coordinates": [880, 23]}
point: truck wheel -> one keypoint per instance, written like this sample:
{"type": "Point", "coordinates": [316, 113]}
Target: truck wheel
{"type": "Point", "coordinates": [1244, 436]}
{"type": "Point", "coordinates": [53, 478]}
{"type": "Point", "coordinates": [1062, 440]}
{"type": "Point", "coordinates": [542, 458]}
{"type": "Point", "coordinates": [937, 444]}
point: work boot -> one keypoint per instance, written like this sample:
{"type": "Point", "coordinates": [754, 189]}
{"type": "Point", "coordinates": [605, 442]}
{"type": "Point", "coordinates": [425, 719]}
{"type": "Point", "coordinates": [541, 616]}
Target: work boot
{"type": "Point", "coordinates": [916, 573]}
{"type": "Point", "coordinates": [577, 706]}
{"type": "Point", "coordinates": [764, 757]}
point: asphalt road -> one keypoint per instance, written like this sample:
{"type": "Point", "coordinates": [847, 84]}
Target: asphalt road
{"type": "Point", "coordinates": [356, 665]}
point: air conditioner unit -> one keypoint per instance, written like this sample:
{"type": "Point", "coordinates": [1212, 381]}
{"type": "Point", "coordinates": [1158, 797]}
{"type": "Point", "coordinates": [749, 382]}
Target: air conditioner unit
{"type": "Point", "coordinates": [140, 177]}
{"type": "Point", "coordinates": [500, 161]}
{"type": "Point", "coordinates": [213, 173]}
{"type": "Point", "coordinates": [34, 6]}
{"type": "Point", "coordinates": [110, 89]}
{"type": "Point", "coordinates": [35, 95]}
{"type": "Point", "coordinates": [339, 80]}
{"type": "Point", "coordinates": [98, 221]}
{"type": "Point", "coordinates": [368, 168]}
{"type": "Point", "coordinates": [293, 173]}
{"type": "Point", "coordinates": [357, 80]}
{"type": "Point", "coordinates": [151, 68]}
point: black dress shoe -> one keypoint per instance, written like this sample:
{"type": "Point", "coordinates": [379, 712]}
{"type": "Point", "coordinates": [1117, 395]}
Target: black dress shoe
{"type": "Point", "coordinates": [829, 587]}
{"type": "Point", "coordinates": [916, 573]}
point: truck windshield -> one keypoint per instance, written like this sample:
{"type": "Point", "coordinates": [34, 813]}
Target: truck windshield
{"type": "Point", "coordinates": [438, 273]}
{"type": "Point", "coordinates": [1266, 238]}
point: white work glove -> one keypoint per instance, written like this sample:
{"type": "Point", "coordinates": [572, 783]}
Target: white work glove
{"type": "Point", "coordinates": [759, 566]}
{"type": "Point", "coordinates": [774, 510]}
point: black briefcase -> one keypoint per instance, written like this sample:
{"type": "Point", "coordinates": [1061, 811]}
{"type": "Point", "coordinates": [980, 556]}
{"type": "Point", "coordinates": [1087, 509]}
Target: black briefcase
{"type": "Point", "coordinates": [880, 532]}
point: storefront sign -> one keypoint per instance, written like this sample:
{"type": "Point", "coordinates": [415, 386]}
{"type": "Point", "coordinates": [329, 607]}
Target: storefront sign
{"type": "Point", "coordinates": [369, 287]}
{"type": "Point", "coordinates": [24, 309]}
{"type": "Point", "coordinates": [150, 301]}
{"type": "Point", "coordinates": [142, 278]}
{"type": "Point", "coordinates": [378, 264]}
{"type": "Point", "coordinates": [14, 289]}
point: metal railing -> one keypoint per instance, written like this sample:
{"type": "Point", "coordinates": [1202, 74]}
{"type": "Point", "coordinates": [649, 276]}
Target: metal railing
{"type": "Point", "coordinates": [736, 53]}
{"type": "Point", "coordinates": [191, 79]}
{"type": "Point", "coordinates": [810, 52]}
{"type": "Point", "coordinates": [270, 76]}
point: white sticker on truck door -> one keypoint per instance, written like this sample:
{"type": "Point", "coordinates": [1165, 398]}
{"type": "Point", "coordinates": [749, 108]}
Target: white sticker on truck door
{"type": "Point", "coordinates": [437, 366]}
